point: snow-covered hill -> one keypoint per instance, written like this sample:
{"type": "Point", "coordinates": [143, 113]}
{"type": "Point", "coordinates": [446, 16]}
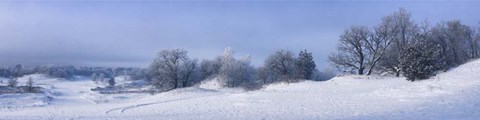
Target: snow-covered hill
{"type": "Point", "coordinates": [451, 95]}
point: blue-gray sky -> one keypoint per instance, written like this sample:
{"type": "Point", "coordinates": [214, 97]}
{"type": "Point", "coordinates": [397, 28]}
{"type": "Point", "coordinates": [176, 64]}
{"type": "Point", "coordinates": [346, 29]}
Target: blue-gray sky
{"type": "Point", "coordinates": [130, 33]}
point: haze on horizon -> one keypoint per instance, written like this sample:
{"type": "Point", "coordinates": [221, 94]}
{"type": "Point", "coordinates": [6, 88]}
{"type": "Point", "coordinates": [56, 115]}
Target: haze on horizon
{"type": "Point", "coordinates": [131, 33]}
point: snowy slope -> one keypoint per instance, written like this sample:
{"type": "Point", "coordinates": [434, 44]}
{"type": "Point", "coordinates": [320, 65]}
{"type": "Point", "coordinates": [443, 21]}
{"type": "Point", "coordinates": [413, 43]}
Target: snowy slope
{"type": "Point", "coordinates": [451, 95]}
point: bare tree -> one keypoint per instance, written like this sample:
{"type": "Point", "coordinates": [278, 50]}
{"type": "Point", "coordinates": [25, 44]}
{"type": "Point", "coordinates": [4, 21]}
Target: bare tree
{"type": "Point", "coordinates": [30, 84]}
{"type": "Point", "coordinates": [282, 65]}
{"type": "Point", "coordinates": [352, 52]}
{"type": "Point", "coordinates": [171, 68]}
{"type": "Point", "coordinates": [378, 44]}
{"type": "Point", "coordinates": [188, 71]}
{"type": "Point", "coordinates": [209, 68]}
{"type": "Point", "coordinates": [456, 41]}
{"type": "Point", "coordinates": [403, 30]}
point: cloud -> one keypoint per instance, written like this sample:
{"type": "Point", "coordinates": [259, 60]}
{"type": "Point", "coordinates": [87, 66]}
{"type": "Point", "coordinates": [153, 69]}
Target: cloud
{"type": "Point", "coordinates": [130, 33]}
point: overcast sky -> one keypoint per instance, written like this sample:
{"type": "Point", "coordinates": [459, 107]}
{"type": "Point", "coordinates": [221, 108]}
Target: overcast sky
{"type": "Point", "coordinates": [130, 33]}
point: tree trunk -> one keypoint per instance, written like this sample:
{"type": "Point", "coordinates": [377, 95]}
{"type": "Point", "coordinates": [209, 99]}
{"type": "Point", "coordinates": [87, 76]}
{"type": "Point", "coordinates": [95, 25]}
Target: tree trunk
{"type": "Point", "coordinates": [175, 85]}
{"type": "Point", "coordinates": [398, 73]}
{"type": "Point", "coordinates": [360, 71]}
{"type": "Point", "coordinates": [184, 84]}
{"type": "Point", "coordinates": [370, 71]}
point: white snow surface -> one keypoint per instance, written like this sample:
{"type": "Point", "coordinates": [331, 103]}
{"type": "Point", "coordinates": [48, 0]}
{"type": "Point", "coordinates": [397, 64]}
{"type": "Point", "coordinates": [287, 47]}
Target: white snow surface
{"type": "Point", "coordinates": [451, 95]}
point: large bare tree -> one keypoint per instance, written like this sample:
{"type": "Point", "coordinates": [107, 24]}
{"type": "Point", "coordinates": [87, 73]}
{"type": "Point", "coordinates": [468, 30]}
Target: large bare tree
{"type": "Point", "coordinates": [352, 51]}
{"type": "Point", "coordinates": [402, 30]}
{"type": "Point", "coordinates": [282, 65]}
{"type": "Point", "coordinates": [171, 68]}
{"type": "Point", "coordinates": [378, 44]}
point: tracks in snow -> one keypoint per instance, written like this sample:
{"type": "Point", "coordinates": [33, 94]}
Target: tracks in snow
{"type": "Point", "coordinates": [123, 109]}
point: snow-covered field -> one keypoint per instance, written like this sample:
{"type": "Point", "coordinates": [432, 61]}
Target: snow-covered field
{"type": "Point", "coordinates": [451, 95]}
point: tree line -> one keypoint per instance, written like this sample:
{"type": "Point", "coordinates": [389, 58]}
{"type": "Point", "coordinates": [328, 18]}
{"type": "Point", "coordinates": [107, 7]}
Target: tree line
{"type": "Point", "coordinates": [69, 72]}
{"type": "Point", "coordinates": [400, 46]}
{"type": "Point", "coordinates": [172, 68]}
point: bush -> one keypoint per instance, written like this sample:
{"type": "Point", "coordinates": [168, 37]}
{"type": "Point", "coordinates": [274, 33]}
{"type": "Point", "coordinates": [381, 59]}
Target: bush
{"type": "Point", "coordinates": [421, 62]}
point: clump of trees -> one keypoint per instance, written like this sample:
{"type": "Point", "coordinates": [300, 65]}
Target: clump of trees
{"type": "Point", "coordinates": [173, 69]}
{"type": "Point", "coordinates": [68, 71]}
{"type": "Point", "coordinates": [16, 73]}
{"type": "Point", "coordinates": [100, 79]}
{"type": "Point", "coordinates": [14, 87]}
{"type": "Point", "coordinates": [284, 66]}
{"type": "Point", "coordinates": [398, 45]}
{"type": "Point", "coordinates": [234, 72]}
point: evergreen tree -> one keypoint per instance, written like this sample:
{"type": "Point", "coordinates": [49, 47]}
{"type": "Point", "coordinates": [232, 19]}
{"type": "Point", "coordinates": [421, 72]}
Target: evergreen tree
{"type": "Point", "coordinates": [305, 65]}
{"type": "Point", "coordinates": [421, 61]}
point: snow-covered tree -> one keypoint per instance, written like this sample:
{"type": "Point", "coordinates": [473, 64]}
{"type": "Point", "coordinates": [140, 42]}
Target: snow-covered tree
{"type": "Point", "coordinates": [476, 43]}
{"type": "Point", "coordinates": [385, 49]}
{"type": "Point", "coordinates": [125, 75]}
{"type": "Point", "coordinates": [402, 30]}
{"type": "Point", "coordinates": [188, 72]}
{"type": "Point", "coordinates": [18, 71]}
{"type": "Point", "coordinates": [30, 84]}
{"type": "Point", "coordinates": [209, 68]}
{"type": "Point", "coordinates": [234, 72]}
{"type": "Point", "coordinates": [282, 66]}
{"type": "Point", "coordinates": [456, 42]}
{"type": "Point", "coordinates": [101, 78]}
{"type": "Point", "coordinates": [171, 68]}
{"type": "Point", "coordinates": [421, 61]}
{"type": "Point", "coordinates": [305, 65]}
{"type": "Point", "coordinates": [423, 58]}
{"type": "Point", "coordinates": [94, 77]}
{"type": "Point", "coordinates": [264, 75]}
{"type": "Point", "coordinates": [242, 72]}
{"type": "Point", "coordinates": [139, 74]}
